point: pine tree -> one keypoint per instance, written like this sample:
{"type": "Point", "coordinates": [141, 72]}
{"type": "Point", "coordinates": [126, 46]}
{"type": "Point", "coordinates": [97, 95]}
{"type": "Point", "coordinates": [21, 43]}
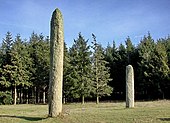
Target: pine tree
{"type": "Point", "coordinates": [66, 73]}
{"type": "Point", "coordinates": [40, 59]}
{"type": "Point", "coordinates": [81, 67]}
{"type": "Point", "coordinates": [120, 80]}
{"type": "Point", "coordinates": [5, 78]}
{"type": "Point", "coordinates": [71, 76]}
{"type": "Point", "coordinates": [166, 43]}
{"type": "Point", "coordinates": [166, 82]}
{"type": "Point", "coordinates": [160, 70]}
{"type": "Point", "coordinates": [43, 63]}
{"type": "Point", "coordinates": [112, 57]}
{"type": "Point", "coordinates": [130, 50]}
{"type": "Point", "coordinates": [146, 53]}
{"type": "Point", "coordinates": [100, 72]}
{"type": "Point", "coordinates": [33, 49]}
{"type": "Point", "coordinates": [19, 72]}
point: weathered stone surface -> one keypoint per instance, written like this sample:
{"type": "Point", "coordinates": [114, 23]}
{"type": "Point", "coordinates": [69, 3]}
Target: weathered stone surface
{"type": "Point", "coordinates": [129, 87]}
{"type": "Point", "coordinates": [56, 64]}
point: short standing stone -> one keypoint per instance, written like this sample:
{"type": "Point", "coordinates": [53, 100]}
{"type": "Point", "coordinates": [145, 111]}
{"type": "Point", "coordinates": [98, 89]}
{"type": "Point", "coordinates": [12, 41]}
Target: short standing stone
{"type": "Point", "coordinates": [129, 87]}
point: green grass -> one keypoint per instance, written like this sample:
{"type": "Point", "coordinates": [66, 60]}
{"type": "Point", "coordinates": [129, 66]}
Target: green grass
{"type": "Point", "coordinates": [144, 112]}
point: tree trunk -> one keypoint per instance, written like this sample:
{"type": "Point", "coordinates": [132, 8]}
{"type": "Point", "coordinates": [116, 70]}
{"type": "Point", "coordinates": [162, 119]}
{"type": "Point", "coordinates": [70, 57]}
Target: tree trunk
{"type": "Point", "coordinates": [97, 99]}
{"type": "Point", "coordinates": [64, 100]}
{"type": "Point", "coordinates": [32, 95]}
{"type": "Point", "coordinates": [44, 95]}
{"type": "Point", "coordinates": [15, 95]}
{"type": "Point", "coordinates": [82, 99]}
{"type": "Point", "coordinates": [21, 96]}
{"type": "Point", "coordinates": [56, 64]}
{"type": "Point", "coordinates": [163, 96]}
{"type": "Point", "coordinates": [97, 82]}
{"type": "Point", "coordinates": [27, 96]}
{"type": "Point", "coordinates": [97, 94]}
{"type": "Point", "coordinates": [38, 95]}
{"type": "Point", "coordinates": [35, 96]}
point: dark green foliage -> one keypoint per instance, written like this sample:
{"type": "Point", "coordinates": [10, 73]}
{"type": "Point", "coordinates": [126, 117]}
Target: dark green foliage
{"type": "Point", "coordinates": [117, 66]}
{"type": "Point", "coordinates": [146, 53]}
{"type": "Point", "coordinates": [6, 48]}
{"type": "Point", "coordinates": [6, 60]}
{"type": "Point", "coordinates": [161, 70]}
{"type": "Point", "coordinates": [100, 76]}
{"type": "Point", "coordinates": [80, 68]}
{"type": "Point", "coordinates": [161, 59]}
{"type": "Point", "coordinates": [66, 66]}
{"type": "Point", "coordinates": [21, 61]}
{"type": "Point", "coordinates": [121, 63]}
{"type": "Point", "coordinates": [19, 58]}
{"type": "Point", "coordinates": [130, 50]}
{"type": "Point", "coordinates": [153, 66]}
{"type": "Point", "coordinates": [25, 66]}
{"type": "Point", "coordinates": [39, 66]}
{"type": "Point", "coordinates": [5, 98]}
{"type": "Point", "coordinates": [166, 43]}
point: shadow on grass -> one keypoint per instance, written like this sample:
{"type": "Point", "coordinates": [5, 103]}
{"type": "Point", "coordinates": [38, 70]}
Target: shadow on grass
{"type": "Point", "coordinates": [24, 117]}
{"type": "Point", "coordinates": [164, 119]}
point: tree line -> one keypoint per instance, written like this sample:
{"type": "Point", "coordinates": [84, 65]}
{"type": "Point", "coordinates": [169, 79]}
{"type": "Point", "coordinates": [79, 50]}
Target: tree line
{"type": "Point", "coordinates": [91, 72]}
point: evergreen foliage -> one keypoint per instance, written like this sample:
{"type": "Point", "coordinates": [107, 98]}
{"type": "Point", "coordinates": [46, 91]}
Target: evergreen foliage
{"type": "Point", "coordinates": [5, 77]}
{"type": "Point", "coordinates": [101, 76]}
{"type": "Point", "coordinates": [66, 76]}
{"type": "Point", "coordinates": [146, 53]}
{"type": "Point", "coordinates": [24, 69]}
{"type": "Point", "coordinates": [81, 67]}
{"type": "Point", "coordinates": [5, 98]}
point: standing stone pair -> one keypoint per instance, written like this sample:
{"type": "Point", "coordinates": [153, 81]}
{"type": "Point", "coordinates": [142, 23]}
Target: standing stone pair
{"type": "Point", "coordinates": [56, 68]}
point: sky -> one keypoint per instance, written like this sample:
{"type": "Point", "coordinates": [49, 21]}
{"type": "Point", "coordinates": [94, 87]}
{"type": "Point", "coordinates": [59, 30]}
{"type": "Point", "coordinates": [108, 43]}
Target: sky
{"type": "Point", "coordinates": [108, 19]}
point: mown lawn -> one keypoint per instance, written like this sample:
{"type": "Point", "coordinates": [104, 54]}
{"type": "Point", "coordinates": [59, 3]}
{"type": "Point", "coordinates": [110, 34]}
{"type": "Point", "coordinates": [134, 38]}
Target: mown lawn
{"type": "Point", "coordinates": [144, 112]}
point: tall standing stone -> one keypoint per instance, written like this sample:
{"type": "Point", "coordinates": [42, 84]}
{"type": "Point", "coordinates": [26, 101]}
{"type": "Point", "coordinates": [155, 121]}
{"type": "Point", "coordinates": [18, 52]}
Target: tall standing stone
{"type": "Point", "coordinates": [56, 64]}
{"type": "Point", "coordinates": [129, 87]}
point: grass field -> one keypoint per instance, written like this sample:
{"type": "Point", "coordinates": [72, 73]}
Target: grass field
{"type": "Point", "coordinates": [144, 112]}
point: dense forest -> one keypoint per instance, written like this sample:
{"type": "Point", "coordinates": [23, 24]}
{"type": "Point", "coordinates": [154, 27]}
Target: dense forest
{"type": "Point", "coordinates": [91, 71]}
